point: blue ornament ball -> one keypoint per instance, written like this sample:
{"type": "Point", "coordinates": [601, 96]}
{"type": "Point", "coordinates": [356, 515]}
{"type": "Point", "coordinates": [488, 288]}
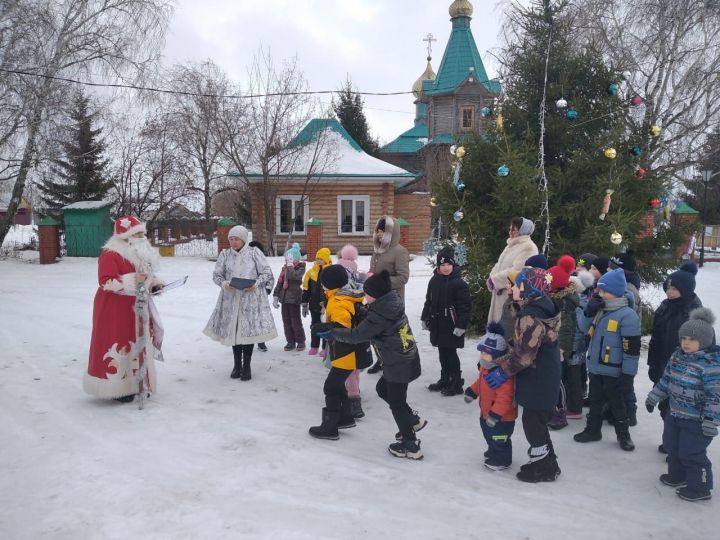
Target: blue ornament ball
{"type": "Point", "coordinates": [636, 150]}
{"type": "Point", "coordinates": [458, 215]}
{"type": "Point", "coordinates": [612, 89]}
{"type": "Point", "coordinates": [572, 114]}
{"type": "Point", "coordinates": [503, 170]}
{"type": "Point", "coordinates": [461, 187]}
{"type": "Point", "coordinates": [486, 111]}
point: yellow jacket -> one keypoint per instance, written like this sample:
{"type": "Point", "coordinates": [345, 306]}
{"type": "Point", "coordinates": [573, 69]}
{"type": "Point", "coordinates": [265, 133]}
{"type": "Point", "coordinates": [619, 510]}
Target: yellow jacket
{"type": "Point", "coordinates": [341, 307]}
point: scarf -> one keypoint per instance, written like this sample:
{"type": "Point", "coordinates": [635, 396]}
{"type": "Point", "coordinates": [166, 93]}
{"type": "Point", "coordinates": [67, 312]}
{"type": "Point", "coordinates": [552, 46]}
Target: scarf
{"type": "Point", "coordinates": [610, 305]}
{"type": "Point", "coordinates": [313, 273]}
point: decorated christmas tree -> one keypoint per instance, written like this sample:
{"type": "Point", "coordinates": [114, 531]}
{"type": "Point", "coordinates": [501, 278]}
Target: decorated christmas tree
{"type": "Point", "coordinates": [564, 148]}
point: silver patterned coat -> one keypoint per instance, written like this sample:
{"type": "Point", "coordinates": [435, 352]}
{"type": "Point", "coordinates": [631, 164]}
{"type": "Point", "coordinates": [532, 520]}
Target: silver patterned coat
{"type": "Point", "coordinates": [242, 316]}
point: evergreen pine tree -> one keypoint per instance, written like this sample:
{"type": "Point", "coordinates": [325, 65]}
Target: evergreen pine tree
{"type": "Point", "coordinates": [349, 111]}
{"type": "Point", "coordinates": [576, 168]}
{"type": "Point", "coordinates": [80, 173]}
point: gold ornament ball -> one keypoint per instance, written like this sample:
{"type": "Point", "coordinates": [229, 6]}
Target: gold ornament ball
{"type": "Point", "coordinates": [655, 131]}
{"type": "Point", "coordinates": [460, 152]}
{"type": "Point", "coordinates": [433, 201]}
{"type": "Point", "coordinates": [616, 238]}
{"type": "Point", "coordinates": [610, 153]}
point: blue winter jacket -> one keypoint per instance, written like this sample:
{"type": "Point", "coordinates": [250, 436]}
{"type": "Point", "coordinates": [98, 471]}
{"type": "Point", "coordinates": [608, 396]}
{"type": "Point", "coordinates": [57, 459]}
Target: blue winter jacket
{"type": "Point", "coordinates": [615, 343]}
{"type": "Point", "coordinates": [692, 382]}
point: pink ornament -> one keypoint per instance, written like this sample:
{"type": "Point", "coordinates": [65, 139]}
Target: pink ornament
{"type": "Point", "coordinates": [636, 101]}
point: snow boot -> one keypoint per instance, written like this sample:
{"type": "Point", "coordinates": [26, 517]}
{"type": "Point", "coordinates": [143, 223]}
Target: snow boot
{"type": "Point", "coordinates": [300, 346]}
{"type": "Point", "coordinates": [623, 436]}
{"type": "Point", "coordinates": [237, 357]}
{"type": "Point", "coordinates": [454, 386]}
{"type": "Point", "coordinates": [543, 470]}
{"type": "Point", "coordinates": [312, 351]}
{"type": "Point", "coordinates": [442, 382]}
{"type": "Point", "coordinates": [289, 347]}
{"type": "Point", "coordinates": [246, 374]}
{"type": "Point", "coordinates": [346, 418]}
{"type": "Point", "coordinates": [692, 495]}
{"type": "Point", "coordinates": [406, 449]}
{"type": "Point", "coordinates": [418, 424]}
{"type": "Point", "coordinates": [661, 449]}
{"type": "Point", "coordinates": [356, 408]}
{"type": "Point", "coordinates": [558, 420]}
{"type": "Point", "coordinates": [126, 399]}
{"type": "Point", "coordinates": [329, 427]}
{"type": "Point", "coordinates": [592, 431]}
{"type": "Point", "coordinates": [262, 347]}
{"type": "Point", "coordinates": [672, 482]}
{"type": "Point", "coordinates": [377, 366]}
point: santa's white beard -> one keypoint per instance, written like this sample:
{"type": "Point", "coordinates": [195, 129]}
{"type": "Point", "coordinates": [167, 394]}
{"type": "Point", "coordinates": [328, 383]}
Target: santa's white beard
{"type": "Point", "coordinates": [145, 252]}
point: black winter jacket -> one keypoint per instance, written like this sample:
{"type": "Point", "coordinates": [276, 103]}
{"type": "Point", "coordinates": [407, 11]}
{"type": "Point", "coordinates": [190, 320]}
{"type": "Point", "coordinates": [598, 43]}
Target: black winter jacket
{"type": "Point", "coordinates": [314, 296]}
{"type": "Point", "coordinates": [664, 340]}
{"type": "Point", "coordinates": [447, 307]}
{"type": "Point", "coordinates": [387, 327]}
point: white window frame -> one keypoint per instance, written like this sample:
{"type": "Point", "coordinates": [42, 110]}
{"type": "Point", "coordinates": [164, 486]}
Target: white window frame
{"type": "Point", "coordinates": [355, 199]}
{"type": "Point", "coordinates": [295, 199]}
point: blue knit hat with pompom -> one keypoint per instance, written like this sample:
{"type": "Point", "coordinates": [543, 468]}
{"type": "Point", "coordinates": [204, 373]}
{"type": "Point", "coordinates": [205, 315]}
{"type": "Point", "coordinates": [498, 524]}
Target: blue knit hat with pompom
{"type": "Point", "coordinates": [493, 342]}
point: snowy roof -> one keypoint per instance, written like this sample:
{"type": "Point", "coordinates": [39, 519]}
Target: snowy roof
{"type": "Point", "coordinates": [87, 205]}
{"type": "Point", "coordinates": [409, 142]}
{"type": "Point", "coordinates": [344, 157]}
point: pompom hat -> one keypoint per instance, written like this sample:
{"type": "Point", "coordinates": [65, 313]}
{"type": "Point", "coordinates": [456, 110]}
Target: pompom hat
{"type": "Point", "coordinates": [533, 282]}
{"type": "Point", "coordinates": [127, 226]}
{"type": "Point", "coordinates": [493, 342]}
{"type": "Point", "coordinates": [700, 327]}
{"type": "Point", "coordinates": [561, 272]}
{"type": "Point", "coordinates": [446, 255]}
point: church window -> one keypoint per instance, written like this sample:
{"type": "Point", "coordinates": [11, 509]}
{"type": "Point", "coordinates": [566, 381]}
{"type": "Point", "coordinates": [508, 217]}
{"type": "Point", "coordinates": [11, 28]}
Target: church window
{"type": "Point", "coordinates": [467, 115]}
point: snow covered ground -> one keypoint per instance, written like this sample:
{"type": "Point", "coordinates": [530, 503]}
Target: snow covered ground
{"type": "Point", "coordinates": [211, 457]}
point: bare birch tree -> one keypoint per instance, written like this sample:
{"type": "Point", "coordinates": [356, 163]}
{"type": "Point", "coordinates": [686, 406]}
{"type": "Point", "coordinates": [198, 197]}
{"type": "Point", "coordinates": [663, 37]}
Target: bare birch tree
{"type": "Point", "coordinates": [70, 38]}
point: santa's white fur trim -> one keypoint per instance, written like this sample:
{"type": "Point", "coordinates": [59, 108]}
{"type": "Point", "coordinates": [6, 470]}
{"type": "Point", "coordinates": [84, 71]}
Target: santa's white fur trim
{"type": "Point", "coordinates": [126, 251]}
{"type": "Point", "coordinates": [129, 284]}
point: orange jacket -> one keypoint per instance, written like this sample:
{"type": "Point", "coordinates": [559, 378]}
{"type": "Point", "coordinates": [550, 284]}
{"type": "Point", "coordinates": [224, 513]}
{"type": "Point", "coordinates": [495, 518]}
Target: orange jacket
{"type": "Point", "coordinates": [500, 401]}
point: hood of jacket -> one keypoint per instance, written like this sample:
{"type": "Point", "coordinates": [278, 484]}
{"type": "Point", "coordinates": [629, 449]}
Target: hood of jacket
{"type": "Point", "coordinates": [389, 306]}
{"type": "Point", "coordinates": [544, 310]}
{"type": "Point", "coordinates": [391, 237]}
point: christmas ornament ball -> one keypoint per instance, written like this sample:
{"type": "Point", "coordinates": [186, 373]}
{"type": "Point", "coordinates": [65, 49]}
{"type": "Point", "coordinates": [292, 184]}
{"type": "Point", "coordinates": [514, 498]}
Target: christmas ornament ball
{"type": "Point", "coordinates": [503, 170]}
{"type": "Point", "coordinates": [636, 101]}
{"type": "Point", "coordinates": [612, 89]}
{"type": "Point", "coordinates": [433, 201]}
{"type": "Point", "coordinates": [460, 152]}
{"type": "Point", "coordinates": [636, 151]}
{"type": "Point", "coordinates": [640, 172]}
{"type": "Point", "coordinates": [610, 153]}
{"type": "Point", "coordinates": [572, 114]}
{"type": "Point", "coordinates": [453, 149]}
{"type": "Point", "coordinates": [458, 215]}
{"type": "Point", "coordinates": [655, 202]}
{"type": "Point", "coordinates": [655, 131]}
{"type": "Point", "coordinates": [485, 112]}
{"type": "Point", "coordinates": [561, 103]}
{"type": "Point", "coordinates": [616, 238]}
{"type": "Point", "coordinates": [461, 187]}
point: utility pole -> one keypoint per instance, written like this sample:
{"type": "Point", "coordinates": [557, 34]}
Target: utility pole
{"type": "Point", "coordinates": [706, 176]}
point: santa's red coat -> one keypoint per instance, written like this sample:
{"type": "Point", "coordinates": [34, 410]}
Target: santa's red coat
{"type": "Point", "coordinates": [112, 364]}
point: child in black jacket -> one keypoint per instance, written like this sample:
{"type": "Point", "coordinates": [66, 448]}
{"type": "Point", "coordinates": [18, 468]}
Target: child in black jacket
{"type": "Point", "coordinates": [446, 314]}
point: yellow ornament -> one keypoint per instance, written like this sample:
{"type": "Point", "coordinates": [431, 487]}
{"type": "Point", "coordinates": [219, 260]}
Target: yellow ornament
{"type": "Point", "coordinates": [433, 201]}
{"type": "Point", "coordinates": [610, 153]}
{"type": "Point", "coordinates": [499, 121]}
{"type": "Point", "coordinates": [616, 238]}
{"type": "Point", "coordinates": [655, 131]}
{"type": "Point", "coordinates": [460, 152]}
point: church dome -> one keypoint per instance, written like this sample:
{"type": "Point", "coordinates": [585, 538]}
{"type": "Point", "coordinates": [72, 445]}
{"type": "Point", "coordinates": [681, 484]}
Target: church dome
{"type": "Point", "coordinates": [461, 8]}
{"type": "Point", "coordinates": [429, 75]}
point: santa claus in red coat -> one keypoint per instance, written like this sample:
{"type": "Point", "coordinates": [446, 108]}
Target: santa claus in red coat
{"type": "Point", "coordinates": [127, 259]}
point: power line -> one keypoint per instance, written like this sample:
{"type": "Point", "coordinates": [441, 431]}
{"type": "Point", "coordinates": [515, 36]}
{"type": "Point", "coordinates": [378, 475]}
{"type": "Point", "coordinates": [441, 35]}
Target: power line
{"type": "Point", "coordinates": [194, 94]}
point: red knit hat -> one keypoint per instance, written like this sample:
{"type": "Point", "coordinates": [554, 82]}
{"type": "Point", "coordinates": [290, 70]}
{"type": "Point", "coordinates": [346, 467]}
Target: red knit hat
{"type": "Point", "coordinates": [126, 226]}
{"type": "Point", "coordinates": [561, 272]}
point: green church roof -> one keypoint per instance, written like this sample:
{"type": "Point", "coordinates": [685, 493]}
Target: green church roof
{"type": "Point", "coordinates": [461, 54]}
{"type": "Point", "coordinates": [684, 208]}
{"type": "Point", "coordinates": [316, 125]}
{"type": "Point", "coordinates": [409, 142]}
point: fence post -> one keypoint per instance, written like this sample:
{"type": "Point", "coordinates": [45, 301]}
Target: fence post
{"type": "Point", "coordinates": [223, 228]}
{"type": "Point", "coordinates": [49, 233]}
{"type": "Point", "coordinates": [404, 232]}
{"type": "Point", "coordinates": [313, 238]}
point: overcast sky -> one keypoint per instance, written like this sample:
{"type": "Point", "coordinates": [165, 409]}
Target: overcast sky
{"type": "Point", "coordinates": [379, 43]}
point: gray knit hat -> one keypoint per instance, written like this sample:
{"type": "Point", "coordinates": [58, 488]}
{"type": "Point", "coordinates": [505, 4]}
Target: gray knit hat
{"type": "Point", "coordinates": [700, 327]}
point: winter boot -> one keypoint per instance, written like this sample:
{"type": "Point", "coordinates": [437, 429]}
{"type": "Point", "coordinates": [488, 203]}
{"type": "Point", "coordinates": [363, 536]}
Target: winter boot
{"type": "Point", "coordinates": [312, 351]}
{"type": "Point", "coordinates": [262, 347]}
{"type": "Point", "coordinates": [591, 432]}
{"type": "Point", "coordinates": [289, 347]}
{"type": "Point", "coordinates": [346, 417]}
{"type": "Point", "coordinates": [454, 386]}
{"type": "Point", "coordinates": [672, 482]}
{"type": "Point", "coordinates": [377, 366]}
{"type": "Point", "coordinates": [692, 495]}
{"type": "Point", "coordinates": [300, 346]}
{"type": "Point", "coordinates": [237, 368]}
{"type": "Point", "coordinates": [418, 424]}
{"type": "Point", "coordinates": [246, 374]}
{"type": "Point", "coordinates": [126, 399]}
{"type": "Point", "coordinates": [329, 427]}
{"type": "Point", "coordinates": [356, 408]}
{"type": "Point", "coordinates": [558, 420]}
{"type": "Point", "coordinates": [545, 469]}
{"type": "Point", "coordinates": [623, 436]}
{"type": "Point", "coordinates": [406, 449]}
{"type": "Point", "coordinates": [437, 386]}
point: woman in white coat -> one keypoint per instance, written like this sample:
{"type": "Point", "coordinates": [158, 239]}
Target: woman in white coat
{"type": "Point", "coordinates": [520, 248]}
{"type": "Point", "coordinates": [242, 317]}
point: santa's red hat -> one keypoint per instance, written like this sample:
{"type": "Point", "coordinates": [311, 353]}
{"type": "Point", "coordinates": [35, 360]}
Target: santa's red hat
{"type": "Point", "coordinates": [126, 226]}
